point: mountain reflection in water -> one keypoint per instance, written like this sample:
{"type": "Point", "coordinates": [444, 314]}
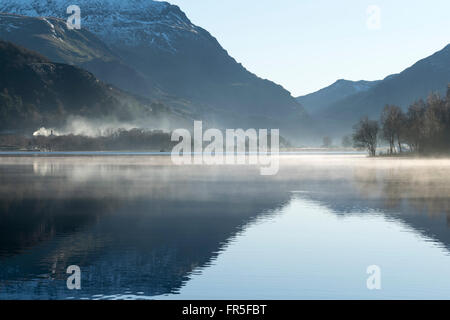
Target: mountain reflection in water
{"type": "Point", "coordinates": [140, 226]}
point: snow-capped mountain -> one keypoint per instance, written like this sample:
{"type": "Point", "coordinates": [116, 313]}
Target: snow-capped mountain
{"type": "Point", "coordinates": [319, 100]}
{"type": "Point", "coordinates": [157, 41]}
{"type": "Point", "coordinates": [130, 22]}
{"type": "Point", "coordinates": [51, 38]}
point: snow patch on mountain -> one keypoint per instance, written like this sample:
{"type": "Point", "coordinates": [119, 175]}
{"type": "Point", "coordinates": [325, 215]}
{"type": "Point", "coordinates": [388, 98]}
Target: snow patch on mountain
{"type": "Point", "coordinates": [355, 86]}
{"type": "Point", "coordinates": [117, 22]}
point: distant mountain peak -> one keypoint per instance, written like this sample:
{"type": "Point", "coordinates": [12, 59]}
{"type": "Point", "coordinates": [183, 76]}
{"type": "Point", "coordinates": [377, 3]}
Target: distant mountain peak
{"type": "Point", "coordinates": [430, 74]}
{"type": "Point", "coordinates": [342, 88]}
{"type": "Point", "coordinates": [359, 85]}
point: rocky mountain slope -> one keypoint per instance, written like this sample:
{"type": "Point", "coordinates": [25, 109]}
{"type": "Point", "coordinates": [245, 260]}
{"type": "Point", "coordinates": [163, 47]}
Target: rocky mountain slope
{"type": "Point", "coordinates": [159, 42]}
{"type": "Point", "coordinates": [51, 38]}
{"type": "Point", "coordinates": [36, 92]}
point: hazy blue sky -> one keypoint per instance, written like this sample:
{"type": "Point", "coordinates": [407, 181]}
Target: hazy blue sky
{"type": "Point", "coordinates": [305, 45]}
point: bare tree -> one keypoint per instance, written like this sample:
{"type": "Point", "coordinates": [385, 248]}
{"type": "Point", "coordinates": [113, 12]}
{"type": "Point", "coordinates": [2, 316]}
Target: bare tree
{"type": "Point", "coordinates": [365, 135]}
{"type": "Point", "coordinates": [347, 141]}
{"type": "Point", "coordinates": [400, 130]}
{"type": "Point", "coordinates": [413, 127]}
{"type": "Point", "coordinates": [327, 142]}
{"type": "Point", "coordinates": [392, 120]}
{"type": "Point", "coordinates": [432, 121]}
{"type": "Point", "coordinates": [425, 127]}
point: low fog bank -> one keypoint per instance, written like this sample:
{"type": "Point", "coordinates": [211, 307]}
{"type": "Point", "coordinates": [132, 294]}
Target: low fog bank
{"type": "Point", "coordinates": [91, 135]}
{"type": "Point", "coordinates": [81, 126]}
{"type": "Point", "coordinates": [100, 134]}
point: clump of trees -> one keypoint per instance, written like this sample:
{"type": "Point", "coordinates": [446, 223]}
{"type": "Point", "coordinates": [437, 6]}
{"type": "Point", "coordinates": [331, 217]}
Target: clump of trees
{"type": "Point", "coordinates": [327, 142]}
{"type": "Point", "coordinates": [423, 129]}
{"type": "Point", "coordinates": [347, 141]}
{"type": "Point", "coordinates": [392, 122]}
{"type": "Point", "coordinates": [120, 140]}
{"type": "Point", "coordinates": [366, 135]}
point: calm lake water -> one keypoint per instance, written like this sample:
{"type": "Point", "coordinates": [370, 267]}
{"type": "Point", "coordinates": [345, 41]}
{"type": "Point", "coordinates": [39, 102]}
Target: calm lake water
{"type": "Point", "coordinates": [142, 228]}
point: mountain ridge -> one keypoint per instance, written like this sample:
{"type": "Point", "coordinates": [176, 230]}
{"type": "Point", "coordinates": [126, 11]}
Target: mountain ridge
{"type": "Point", "coordinates": [318, 100]}
{"type": "Point", "coordinates": [429, 74]}
{"type": "Point", "coordinates": [183, 60]}
{"type": "Point", "coordinates": [39, 93]}
{"type": "Point", "coordinates": [51, 38]}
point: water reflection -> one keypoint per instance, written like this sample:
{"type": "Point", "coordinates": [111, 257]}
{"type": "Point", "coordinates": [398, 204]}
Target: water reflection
{"type": "Point", "coordinates": [138, 226]}
{"type": "Point", "coordinates": [414, 191]}
{"type": "Point", "coordinates": [130, 224]}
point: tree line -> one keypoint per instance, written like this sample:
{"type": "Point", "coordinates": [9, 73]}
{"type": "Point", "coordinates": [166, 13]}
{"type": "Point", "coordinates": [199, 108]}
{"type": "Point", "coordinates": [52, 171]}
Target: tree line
{"type": "Point", "coordinates": [121, 140]}
{"type": "Point", "coordinates": [423, 129]}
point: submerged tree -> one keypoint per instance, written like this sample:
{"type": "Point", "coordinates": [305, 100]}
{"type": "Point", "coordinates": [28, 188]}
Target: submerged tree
{"type": "Point", "coordinates": [365, 135]}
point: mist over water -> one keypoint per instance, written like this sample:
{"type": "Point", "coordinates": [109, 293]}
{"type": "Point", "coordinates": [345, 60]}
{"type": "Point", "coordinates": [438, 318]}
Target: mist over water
{"type": "Point", "coordinates": [141, 227]}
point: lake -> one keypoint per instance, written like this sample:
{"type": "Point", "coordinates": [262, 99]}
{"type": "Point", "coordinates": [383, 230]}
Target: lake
{"type": "Point", "coordinates": [140, 227]}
